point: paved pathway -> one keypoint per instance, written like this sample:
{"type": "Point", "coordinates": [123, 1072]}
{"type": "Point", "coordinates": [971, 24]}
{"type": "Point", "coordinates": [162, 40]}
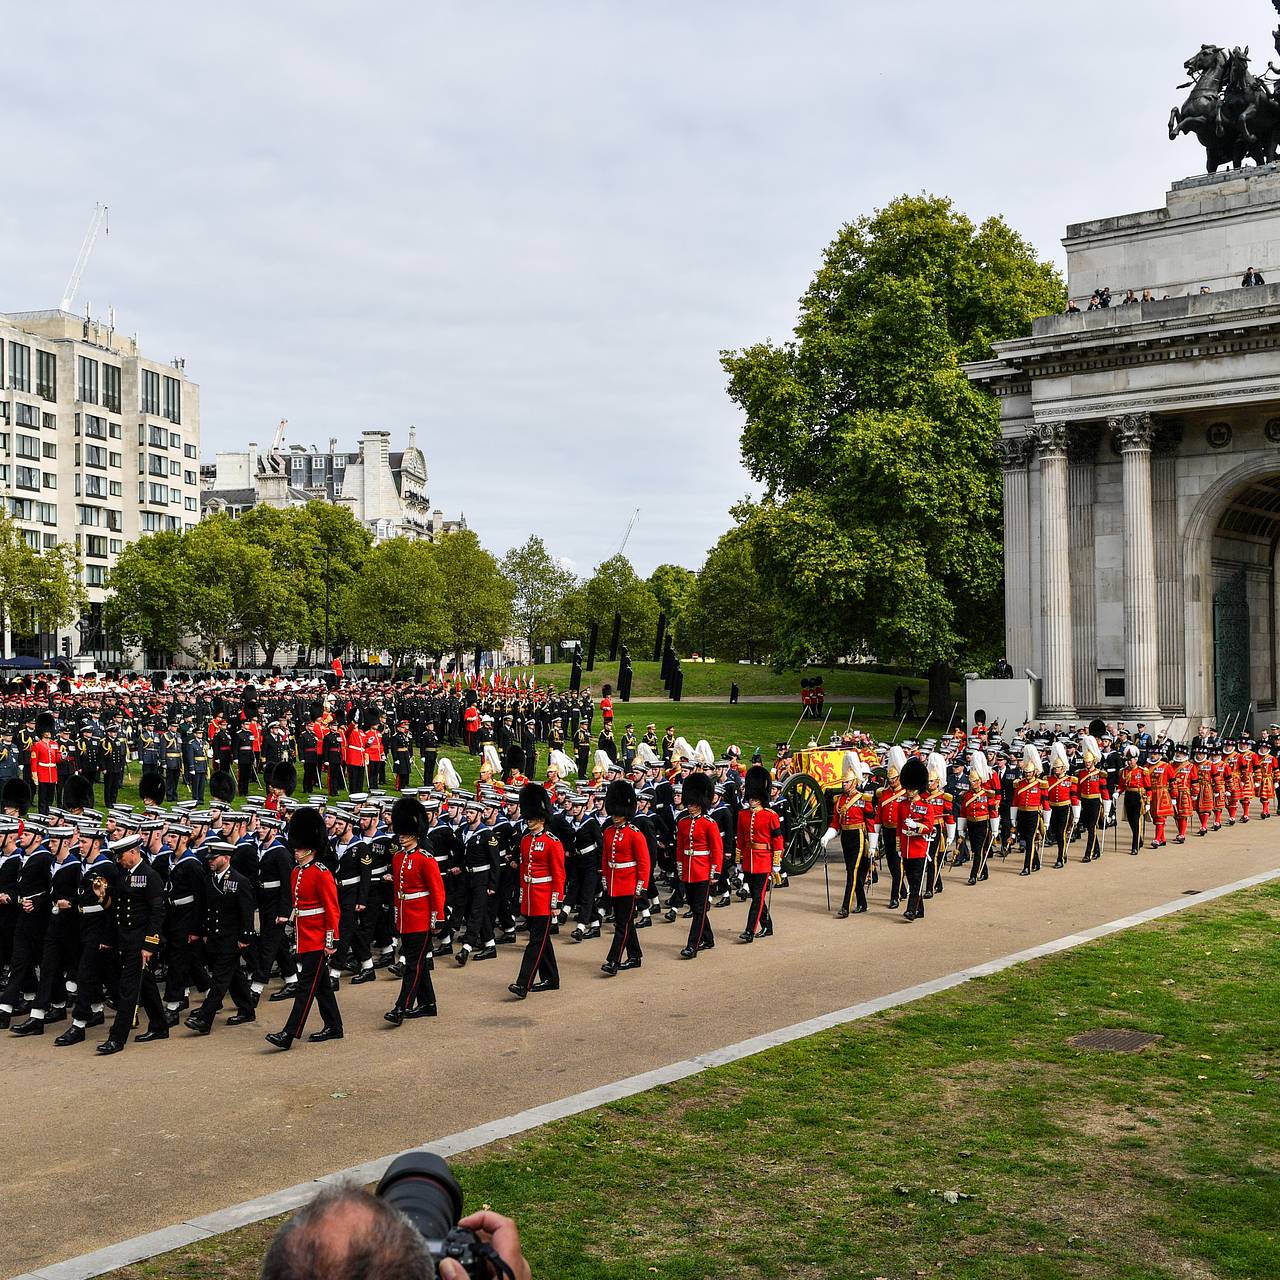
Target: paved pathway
{"type": "Point", "coordinates": [102, 1149]}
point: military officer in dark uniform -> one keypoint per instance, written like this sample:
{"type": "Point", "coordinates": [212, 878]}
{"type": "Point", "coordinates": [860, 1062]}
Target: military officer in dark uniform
{"type": "Point", "coordinates": [96, 905]}
{"type": "Point", "coordinates": [482, 852]}
{"type": "Point", "coordinates": [112, 758]}
{"type": "Point", "coordinates": [400, 749]}
{"type": "Point", "coordinates": [172, 758]}
{"type": "Point", "coordinates": [582, 749]}
{"type": "Point", "coordinates": [139, 916]}
{"type": "Point", "coordinates": [429, 745]}
{"type": "Point", "coordinates": [226, 927]}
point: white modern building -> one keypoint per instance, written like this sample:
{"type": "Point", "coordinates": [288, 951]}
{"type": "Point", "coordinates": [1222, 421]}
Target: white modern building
{"type": "Point", "coordinates": [385, 491]}
{"type": "Point", "coordinates": [99, 444]}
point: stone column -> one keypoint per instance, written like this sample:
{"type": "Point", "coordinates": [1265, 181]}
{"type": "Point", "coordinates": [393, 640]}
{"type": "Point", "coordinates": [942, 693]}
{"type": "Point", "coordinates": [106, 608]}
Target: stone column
{"type": "Point", "coordinates": [1133, 433]}
{"type": "Point", "coordinates": [1015, 454]}
{"type": "Point", "coordinates": [1082, 455]}
{"type": "Point", "coordinates": [1171, 692]}
{"type": "Point", "coordinates": [1057, 679]}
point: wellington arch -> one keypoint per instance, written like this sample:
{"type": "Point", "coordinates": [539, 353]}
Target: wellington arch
{"type": "Point", "coordinates": [1141, 450]}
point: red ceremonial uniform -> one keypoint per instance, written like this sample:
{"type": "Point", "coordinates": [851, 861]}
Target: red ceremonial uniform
{"type": "Point", "coordinates": [46, 755]}
{"type": "Point", "coordinates": [978, 804]}
{"type": "Point", "coordinates": [1060, 790]}
{"type": "Point", "coordinates": [887, 800]}
{"type": "Point", "coordinates": [418, 890]}
{"type": "Point", "coordinates": [1161, 787]}
{"type": "Point", "coordinates": [759, 841]}
{"type": "Point", "coordinates": [353, 755]}
{"type": "Point", "coordinates": [915, 822]}
{"type": "Point", "coordinates": [606, 710]}
{"type": "Point", "coordinates": [1030, 792]}
{"type": "Point", "coordinates": [624, 860]}
{"type": "Point", "coordinates": [1091, 784]}
{"type": "Point", "coordinates": [699, 850]}
{"type": "Point", "coordinates": [374, 748]}
{"type": "Point", "coordinates": [855, 812]}
{"type": "Point", "coordinates": [255, 737]}
{"type": "Point", "coordinates": [541, 873]}
{"type": "Point", "coordinates": [315, 907]}
{"type": "Point", "coordinates": [1264, 780]}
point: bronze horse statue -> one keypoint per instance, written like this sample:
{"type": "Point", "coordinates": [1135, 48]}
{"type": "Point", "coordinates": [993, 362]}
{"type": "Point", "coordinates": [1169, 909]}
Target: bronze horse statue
{"type": "Point", "coordinates": [1251, 106]}
{"type": "Point", "coordinates": [1202, 114]}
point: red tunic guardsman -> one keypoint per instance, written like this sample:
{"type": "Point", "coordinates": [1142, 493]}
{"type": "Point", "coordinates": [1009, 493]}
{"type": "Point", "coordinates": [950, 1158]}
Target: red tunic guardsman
{"type": "Point", "coordinates": [944, 822]}
{"type": "Point", "coordinates": [979, 813]}
{"type": "Point", "coordinates": [417, 894]}
{"type": "Point", "coordinates": [1062, 797]}
{"type": "Point", "coordinates": [887, 799]}
{"type": "Point", "coordinates": [853, 822]}
{"type": "Point", "coordinates": [1247, 758]}
{"type": "Point", "coordinates": [699, 858]}
{"type": "Point", "coordinates": [1030, 804]}
{"type": "Point", "coordinates": [760, 847]}
{"type": "Point", "coordinates": [1160, 791]}
{"type": "Point", "coordinates": [1206, 799]}
{"type": "Point", "coordinates": [1185, 780]}
{"type": "Point", "coordinates": [624, 873]}
{"type": "Point", "coordinates": [315, 918]}
{"type": "Point", "coordinates": [915, 821]}
{"type": "Point", "coordinates": [1231, 768]}
{"type": "Point", "coordinates": [1094, 796]}
{"type": "Point", "coordinates": [541, 892]}
{"type": "Point", "coordinates": [1264, 777]}
{"type": "Point", "coordinates": [1134, 787]}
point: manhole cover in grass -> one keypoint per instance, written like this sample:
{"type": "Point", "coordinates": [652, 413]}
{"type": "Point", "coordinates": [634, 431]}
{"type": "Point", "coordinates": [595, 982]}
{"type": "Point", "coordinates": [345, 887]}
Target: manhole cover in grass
{"type": "Point", "coordinates": [1113, 1041]}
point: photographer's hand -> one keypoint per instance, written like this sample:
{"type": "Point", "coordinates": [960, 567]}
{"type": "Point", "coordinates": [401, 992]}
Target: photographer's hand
{"type": "Point", "coordinates": [502, 1234]}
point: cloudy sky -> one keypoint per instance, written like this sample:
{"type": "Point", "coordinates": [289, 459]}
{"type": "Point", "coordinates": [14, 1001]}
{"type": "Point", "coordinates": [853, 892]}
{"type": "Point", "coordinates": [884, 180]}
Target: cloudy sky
{"type": "Point", "coordinates": [529, 229]}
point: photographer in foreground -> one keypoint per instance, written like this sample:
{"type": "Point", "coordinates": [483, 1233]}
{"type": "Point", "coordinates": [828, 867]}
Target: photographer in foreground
{"type": "Point", "coordinates": [409, 1230]}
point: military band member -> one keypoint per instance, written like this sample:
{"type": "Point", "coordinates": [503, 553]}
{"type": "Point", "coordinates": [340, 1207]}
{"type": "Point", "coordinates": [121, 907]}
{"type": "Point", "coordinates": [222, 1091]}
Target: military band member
{"type": "Point", "coordinates": [915, 820]}
{"type": "Point", "coordinates": [1029, 806]}
{"type": "Point", "coordinates": [624, 871]}
{"type": "Point", "coordinates": [1134, 787]}
{"type": "Point", "coordinates": [759, 841]}
{"type": "Point", "coordinates": [887, 799]}
{"type": "Point", "coordinates": [1063, 800]}
{"type": "Point", "coordinates": [226, 930]}
{"type": "Point", "coordinates": [418, 897]}
{"type": "Point", "coordinates": [699, 857]}
{"type": "Point", "coordinates": [316, 916]}
{"type": "Point", "coordinates": [944, 827]}
{"type": "Point", "coordinates": [853, 822]}
{"type": "Point", "coordinates": [1095, 798]}
{"type": "Point", "coordinates": [542, 881]}
{"type": "Point", "coordinates": [979, 815]}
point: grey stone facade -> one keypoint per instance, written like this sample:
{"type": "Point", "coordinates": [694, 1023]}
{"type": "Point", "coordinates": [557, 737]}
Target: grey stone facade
{"type": "Point", "coordinates": [1141, 448]}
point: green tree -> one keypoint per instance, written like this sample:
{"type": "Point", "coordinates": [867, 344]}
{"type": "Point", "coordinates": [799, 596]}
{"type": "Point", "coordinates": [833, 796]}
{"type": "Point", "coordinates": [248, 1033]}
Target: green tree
{"type": "Point", "coordinates": [150, 590]}
{"type": "Point", "coordinates": [614, 587]}
{"type": "Point", "coordinates": [476, 596]}
{"type": "Point", "coordinates": [539, 585]}
{"type": "Point", "coordinates": [880, 528]}
{"type": "Point", "coordinates": [330, 544]}
{"type": "Point", "coordinates": [39, 590]}
{"type": "Point", "coordinates": [672, 586]}
{"type": "Point", "coordinates": [397, 601]}
{"type": "Point", "coordinates": [730, 615]}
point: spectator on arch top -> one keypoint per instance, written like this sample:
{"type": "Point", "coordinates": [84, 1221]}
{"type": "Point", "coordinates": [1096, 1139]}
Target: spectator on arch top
{"type": "Point", "coordinates": [1252, 277]}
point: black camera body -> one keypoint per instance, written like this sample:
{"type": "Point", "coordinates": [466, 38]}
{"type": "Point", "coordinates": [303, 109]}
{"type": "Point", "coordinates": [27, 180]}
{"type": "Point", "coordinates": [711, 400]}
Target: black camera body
{"type": "Point", "coordinates": [422, 1187]}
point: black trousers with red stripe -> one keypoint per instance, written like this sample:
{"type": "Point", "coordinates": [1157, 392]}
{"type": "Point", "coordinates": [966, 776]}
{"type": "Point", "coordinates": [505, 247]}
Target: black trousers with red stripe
{"type": "Point", "coordinates": [759, 917]}
{"type": "Point", "coordinates": [416, 990]}
{"type": "Point", "coordinates": [623, 911]}
{"type": "Point", "coordinates": [313, 988]}
{"type": "Point", "coordinates": [701, 934]}
{"type": "Point", "coordinates": [539, 953]}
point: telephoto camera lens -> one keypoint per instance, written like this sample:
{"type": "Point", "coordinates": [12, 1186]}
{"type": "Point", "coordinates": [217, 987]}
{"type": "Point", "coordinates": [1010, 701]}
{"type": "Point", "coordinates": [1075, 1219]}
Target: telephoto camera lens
{"type": "Point", "coordinates": [421, 1186]}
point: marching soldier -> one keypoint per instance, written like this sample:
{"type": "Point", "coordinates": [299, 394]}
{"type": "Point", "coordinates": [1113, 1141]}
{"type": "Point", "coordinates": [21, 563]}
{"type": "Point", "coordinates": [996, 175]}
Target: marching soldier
{"type": "Point", "coordinates": [887, 800]}
{"type": "Point", "coordinates": [541, 891]}
{"type": "Point", "coordinates": [95, 904]}
{"type": "Point", "coordinates": [355, 894]}
{"type": "Point", "coordinates": [853, 822]}
{"type": "Point", "coordinates": [226, 928]}
{"type": "Point", "coordinates": [171, 754]}
{"type": "Point", "coordinates": [1094, 796]}
{"type": "Point", "coordinates": [482, 852]}
{"type": "Point", "coordinates": [979, 815]}
{"type": "Point", "coordinates": [1159, 791]}
{"type": "Point", "coordinates": [759, 841]}
{"type": "Point", "coordinates": [624, 872]}
{"type": "Point", "coordinates": [1063, 800]}
{"type": "Point", "coordinates": [1030, 803]}
{"type": "Point", "coordinates": [316, 917]}
{"type": "Point", "coordinates": [1205, 793]}
{"type": "Point", "coordinates": [1134, 785]}
{"type": "Point", "coordinates": [699, 857]}
{"type": "Point", "coordinates": [61, 950]}
{"type": "Point", "coordinates": [112, 758]}
{"type": "Point", "coordinates": [418, 896]}
{"type": "Point", "coordinates": [916, 818]}
{"type": "Point", "coordinates": [1185, 779]}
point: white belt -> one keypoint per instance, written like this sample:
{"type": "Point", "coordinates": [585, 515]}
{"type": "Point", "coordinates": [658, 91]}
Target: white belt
{"type": "Point", "coordinates": [270, 884]}
{"type": "Point", "coordinates": [88, 911]}
{"type": "Point", "coordinates": [475, 870]}
{"type": "Point", "coordinates": [619, 866]}
{"type": "Point", "coordinates": [310, 911]}
{"type": "Point", "coordinates": [591, 848]}
{"type": "Point", "coordinates": [425, 893]}
{"type": "Point", "coordinates": [353, 880]}
{"type": "Point", "coordinates": [696, 853]}
{"type": "Point", "coordinates": [182, 902]}
{"type": "Point", "coordinates": [537, 879]}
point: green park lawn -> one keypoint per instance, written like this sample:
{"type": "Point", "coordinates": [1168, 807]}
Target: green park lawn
{"type": "Point", "coordinates": [961, 1137]}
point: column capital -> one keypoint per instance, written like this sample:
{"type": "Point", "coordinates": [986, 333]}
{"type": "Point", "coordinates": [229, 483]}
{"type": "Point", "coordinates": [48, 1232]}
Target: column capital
{"type": "Point", "coordinates": [1014, 452]}
{"type": "Point", "coordinates": [1049, 439]}
{"type": "Point", "coordinates": [1132, 432]}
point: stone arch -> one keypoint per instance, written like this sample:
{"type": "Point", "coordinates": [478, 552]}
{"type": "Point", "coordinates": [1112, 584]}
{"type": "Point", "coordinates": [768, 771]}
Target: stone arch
{"type": "Point", "coordinates": [1197, 573]}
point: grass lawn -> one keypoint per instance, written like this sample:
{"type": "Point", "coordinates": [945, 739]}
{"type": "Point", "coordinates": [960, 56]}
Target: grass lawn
{"type": "Point", "coordinates": [749, 725]}
{"type": "Point", "coordinates": [959, 1137]}
{"type": "Point", "coordinates": [712, 679]}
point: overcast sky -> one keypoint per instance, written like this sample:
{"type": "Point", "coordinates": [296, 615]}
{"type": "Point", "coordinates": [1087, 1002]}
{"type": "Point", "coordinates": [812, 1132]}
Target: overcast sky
{"type": "Point", "coordinates": [529, 229]}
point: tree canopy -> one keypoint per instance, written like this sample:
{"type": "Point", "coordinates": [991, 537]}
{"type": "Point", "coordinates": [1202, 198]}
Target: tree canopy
{"type": "Point", "coordinates": [614, 587]}
{"type": "Point", "coordinates": [879, 532]}
{"type": "Point", "coordinates": [39, 590]}
{"type": "Point", "coordinates": [539, 585]}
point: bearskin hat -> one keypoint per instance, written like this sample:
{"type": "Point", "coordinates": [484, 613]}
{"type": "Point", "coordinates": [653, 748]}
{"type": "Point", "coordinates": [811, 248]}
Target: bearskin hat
{"type": "Point", "coordinates": [151, 787]}
{"type": "Point", "coordinates": [1098, 728]}
{"type": "Point", "coordinates": [306, 830]}
{"type": "Point", "coordinates": [515, 759]}
{"type": "Point", "coordinates": [620, 799]}
{"type": "Point", "coordinates": [534, 802]}
{"type": "Point", "coordinates": [45, 723]}
{"type": "Point", "coordinates": [756, 785]}
{"type": "Point", "coordinates": [284, 777]}
{"type": "Point", "coordinates": [222, 786]}
{"type": "Point", "coordinates": [316, 710]}
{"type": "Point", "coordinates": [77, 792]}
{"type": "Point", "coordinates": [699, 790]}
{"type": "Point", "coordinates": [408, 817]}
{"type": "Point", "coordinates": [914, 774]}
{"type": "Point", "coordinates": [16, 795]}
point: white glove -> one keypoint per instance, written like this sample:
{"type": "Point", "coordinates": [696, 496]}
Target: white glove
{"type": "Point", "coordinates": [951, 833]}
{"type": "Point", "coordinates": [1075, 813]}
{"type": "Point", "coordinates": [832, 834]}
{"type": "Point", "coordinates": [962, 825]}
{"type": "Point", "coordinates": [873, 841]}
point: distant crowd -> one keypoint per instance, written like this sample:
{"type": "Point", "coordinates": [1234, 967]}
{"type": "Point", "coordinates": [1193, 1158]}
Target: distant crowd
{"type": "Point", "coordinates": [1101, 298]}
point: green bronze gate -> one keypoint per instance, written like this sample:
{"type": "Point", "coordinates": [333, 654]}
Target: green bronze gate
{"type": "Point", "coordinates": [1231, 653]}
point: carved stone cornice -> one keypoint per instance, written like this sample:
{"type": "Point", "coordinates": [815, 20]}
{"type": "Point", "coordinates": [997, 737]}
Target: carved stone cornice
{"type": "Point", "coordinates": [1049, 439]}
{"type": "Point", "coordinates": [1014, 452]}
{"type": "Point", "coordinates": [1132, 432]}
{"type": "Point", "coordinates": [1082, 443]}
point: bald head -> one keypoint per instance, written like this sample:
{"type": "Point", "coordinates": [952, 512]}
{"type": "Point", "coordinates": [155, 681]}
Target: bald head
{"type": "Point", "coordinates": [347, 1234]}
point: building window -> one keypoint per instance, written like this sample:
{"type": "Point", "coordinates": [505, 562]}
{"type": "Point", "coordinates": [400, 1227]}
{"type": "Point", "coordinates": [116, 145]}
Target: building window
{"type": "Point", "coordinates": [20, 508]}
{"type": "Point", "coordinates": [151, 521]}
{"type": "Point", "coordinates": [173, 401]}
{"type": "Point", "coordinates": [159, 494]}
{"type": "Point", "coordinates": [46, 375]}
{"type": "Point", "coordinates": [111, 387]}
{"type": "Point", "coordinates": [95, 545]}
{"type": "Point", "coordinates": [31, 538]}
{"type": "Point", "coordinates": [115, 522]}
{"type": "Point", "coordinates": [158, 437]}
{"type": "Point", "coordinates": [190, 504]}
{"type": "Point", "coordinates": [175, 496]}
{"type": "Point", "coordinates": [26, 478]}
{"type": "Point", "coordinates": [48, 449]}
{"type": "Point", "coordinates": [95, 456]}
{"type": "Point", "coordinates": [175, 440]}
{"type": "Point", "coordinates": [95, 428]}
{"type": "Point", "coordinates": [88, 515]}
{"type": "Point", "coordinates": [49, 422]}
{"type": "Point", "coordinates": [150, 392]}
{"type": "Point", "coordinates": [95, 575]}
{"type": "Point", "coordinates": [156, 465]}
{"type": "Point", "coordinates": [189, 451]}
{"type": "Point", "coordinates": [4, 411]}
{"type": "Point", "coordinates": [188, 477]}
{"type": "Point", "coordinates": [114, 459]}
{"type": "Point", "coordinates": [175, 467]}
{"type": "Point", "coordinates": [95, 487]}
{"type": "Point", "coordinates": [28, 446]}
{"type": "Point", "coordinates": [50, 479]}
{"type": "Point", "coordinates": [19, 367]}
{"type": "Point", "coordinates": [50, 541]}
{"type": "Point", "coordinates": [117, 491]}
{"type": "Point", "coordinates": [4, 442]}
{"type": "Point", "coordinates": [113, 430]}
{"type": "Point", "coordinates": [46, 513]}
{"type": "Point", "coordinates": [28, 415]}
{"type": "Point", "coordinates": [88, 384]}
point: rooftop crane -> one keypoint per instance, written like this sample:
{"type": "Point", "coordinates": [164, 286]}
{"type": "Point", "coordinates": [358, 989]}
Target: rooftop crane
{"type": "Point", "coordinates": [97, 223]}
{"type": "Point", "coordinates": [631, 524]}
